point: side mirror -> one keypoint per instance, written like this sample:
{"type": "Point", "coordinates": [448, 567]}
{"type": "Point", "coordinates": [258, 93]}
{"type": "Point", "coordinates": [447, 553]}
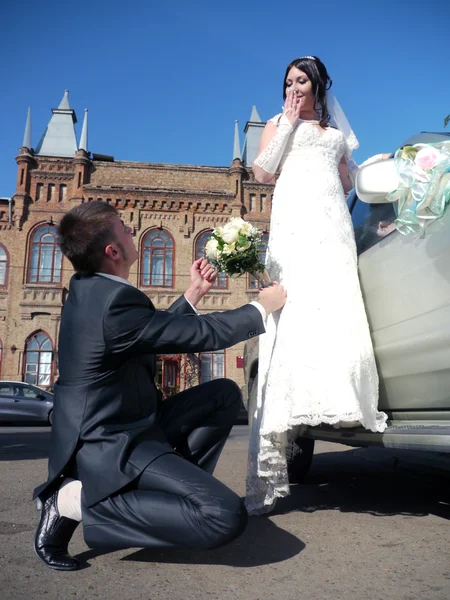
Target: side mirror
{"type": "Point", "coordinates": [376, 180]}
{"type": "Point", "coordinates": [41, 397]}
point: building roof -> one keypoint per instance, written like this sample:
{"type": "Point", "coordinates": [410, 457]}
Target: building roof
{"type": "Point", "coordinates": [237, 145]}
{"type": "Point", "coordinates": [27, 134]}
{"type": "Point", "coordinates": [59, 138]}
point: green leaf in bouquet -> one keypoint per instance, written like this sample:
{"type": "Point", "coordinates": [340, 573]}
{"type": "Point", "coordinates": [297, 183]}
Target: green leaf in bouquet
{"type": "Point", "coordinates": [409, 152]}
{"type": "Point", "coordinates": [217, 237]}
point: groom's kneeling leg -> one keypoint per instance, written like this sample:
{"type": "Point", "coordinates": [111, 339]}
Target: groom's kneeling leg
{"type": "Point", "coordinates": [198, 420]}
{"type": "Point", "coordinates": [174, 504]}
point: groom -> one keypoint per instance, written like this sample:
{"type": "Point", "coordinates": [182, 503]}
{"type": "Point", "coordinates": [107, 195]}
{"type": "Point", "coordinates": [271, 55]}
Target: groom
{"type": "Point", "coordinates": [136, 471]}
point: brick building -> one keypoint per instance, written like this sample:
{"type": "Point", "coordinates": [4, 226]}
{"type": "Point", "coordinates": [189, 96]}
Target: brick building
{"type": "Point", "coordinates": [172, 210]}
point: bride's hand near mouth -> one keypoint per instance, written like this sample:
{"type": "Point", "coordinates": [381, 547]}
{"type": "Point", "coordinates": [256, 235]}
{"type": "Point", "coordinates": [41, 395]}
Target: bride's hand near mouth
{"type": "Point", "coordinates": [292, 106]}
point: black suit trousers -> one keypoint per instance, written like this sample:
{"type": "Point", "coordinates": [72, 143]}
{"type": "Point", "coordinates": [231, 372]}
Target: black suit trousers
{"type": "Point", "coordinates": [176, 502]}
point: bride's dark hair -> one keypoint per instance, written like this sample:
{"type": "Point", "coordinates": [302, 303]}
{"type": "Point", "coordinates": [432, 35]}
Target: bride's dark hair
{"type": "Point", "coordinates": [320, 80]}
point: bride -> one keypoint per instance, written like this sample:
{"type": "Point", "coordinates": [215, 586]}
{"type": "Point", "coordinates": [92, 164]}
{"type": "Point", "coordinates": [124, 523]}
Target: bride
{"type": "Point", "coordinates": [316, 361]}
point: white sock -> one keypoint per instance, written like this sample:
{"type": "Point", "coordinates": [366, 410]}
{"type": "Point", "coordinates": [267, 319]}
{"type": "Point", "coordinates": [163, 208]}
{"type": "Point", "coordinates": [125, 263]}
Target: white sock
{"type": "Point", "coordinates": [69, 499]}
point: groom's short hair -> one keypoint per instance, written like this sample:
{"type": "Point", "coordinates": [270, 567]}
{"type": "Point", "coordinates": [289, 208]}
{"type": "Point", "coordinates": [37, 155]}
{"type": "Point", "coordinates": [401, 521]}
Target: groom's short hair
{"type": "Point", "coordinates": [83, 234]}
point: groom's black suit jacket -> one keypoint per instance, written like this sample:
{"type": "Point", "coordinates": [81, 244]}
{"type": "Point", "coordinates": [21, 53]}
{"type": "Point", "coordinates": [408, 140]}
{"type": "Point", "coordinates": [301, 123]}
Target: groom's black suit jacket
{"type": "Point", "coordinates": [105, 406]}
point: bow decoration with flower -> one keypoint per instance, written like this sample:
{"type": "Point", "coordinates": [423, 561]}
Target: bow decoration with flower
{"type": "Point", "coordinates": [424, 185]}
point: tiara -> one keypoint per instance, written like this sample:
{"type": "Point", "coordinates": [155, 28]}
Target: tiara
{"type": "Point", "coordinates": [310, 57]}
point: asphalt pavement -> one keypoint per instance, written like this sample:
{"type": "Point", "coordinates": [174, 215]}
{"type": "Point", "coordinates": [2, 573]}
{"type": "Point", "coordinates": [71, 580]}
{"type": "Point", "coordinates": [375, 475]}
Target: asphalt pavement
{"type": "Point", "coordinates": [365, 524]}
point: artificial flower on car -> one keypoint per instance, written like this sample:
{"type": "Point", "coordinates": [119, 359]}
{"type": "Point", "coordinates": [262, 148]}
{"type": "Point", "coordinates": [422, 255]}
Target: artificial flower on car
{"type": "Point", "coordinates": [234, 249]}
{"type": "Point", "coordinates": [424, 185]}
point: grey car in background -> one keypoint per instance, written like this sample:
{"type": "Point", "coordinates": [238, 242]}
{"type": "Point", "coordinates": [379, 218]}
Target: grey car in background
{"type": "Point", "coordinates": [24, 403]}
{"type": "Point", "coordinates": [405, 282]}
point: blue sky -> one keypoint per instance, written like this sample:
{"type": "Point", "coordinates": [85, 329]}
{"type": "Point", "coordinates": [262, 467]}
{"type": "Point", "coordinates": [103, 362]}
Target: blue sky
{"type": "Point", "coordinates": [164, 81]}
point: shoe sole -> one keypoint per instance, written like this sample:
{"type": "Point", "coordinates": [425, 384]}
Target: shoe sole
{"type": "Point", "coordinates": [53, 567]}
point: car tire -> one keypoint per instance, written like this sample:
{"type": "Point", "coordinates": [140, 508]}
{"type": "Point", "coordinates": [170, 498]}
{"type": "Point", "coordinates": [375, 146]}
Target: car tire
{"type": "Point", "coordinates": [50, 418]}
{"type": "Point", "coordinates": [299, 452]}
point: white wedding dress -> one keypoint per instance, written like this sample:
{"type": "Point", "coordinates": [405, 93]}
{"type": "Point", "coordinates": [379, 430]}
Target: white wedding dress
{"type": "Point", "coordinates": [316, 362]}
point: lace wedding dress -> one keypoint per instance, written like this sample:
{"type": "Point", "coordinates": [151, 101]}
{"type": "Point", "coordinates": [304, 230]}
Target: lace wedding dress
{"type": "Point", "coordinates": [316, 362]}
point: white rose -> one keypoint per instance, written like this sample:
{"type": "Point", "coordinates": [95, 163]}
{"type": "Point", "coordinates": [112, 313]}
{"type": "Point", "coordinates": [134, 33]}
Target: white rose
{"type": "Point", "coordinates": [246, 229]}
{"type": "Point", "coordinates": [228, 249]}
{"type": "Point", "coordinates": [236, 222]}
{"type": "Point", "coordinates": [230, 234]}
{"type": "Point", "coordinates": [212, 249]}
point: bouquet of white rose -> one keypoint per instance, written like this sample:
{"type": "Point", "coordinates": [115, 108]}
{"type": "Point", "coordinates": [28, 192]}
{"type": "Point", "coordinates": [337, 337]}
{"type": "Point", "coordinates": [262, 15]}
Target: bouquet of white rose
{"type": "Point", "coordinates": [234, 249]}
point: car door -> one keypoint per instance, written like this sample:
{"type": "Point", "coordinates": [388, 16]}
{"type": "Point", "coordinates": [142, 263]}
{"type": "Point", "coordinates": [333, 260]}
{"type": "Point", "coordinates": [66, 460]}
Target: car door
{"type": "Point", "coordinates": [7, 403]}
{"type": "Point", "coordinates": [405, 282]}
{"type": "Point", "coordinates": [30, 405]}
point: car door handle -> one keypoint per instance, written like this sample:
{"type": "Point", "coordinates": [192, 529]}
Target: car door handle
{"type": "Point", "coordinates": [16, 400]}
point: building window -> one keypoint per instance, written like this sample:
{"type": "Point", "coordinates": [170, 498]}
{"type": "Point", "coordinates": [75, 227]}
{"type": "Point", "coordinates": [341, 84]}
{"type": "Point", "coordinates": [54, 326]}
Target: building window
{"type": "Point", "coordinates": [167, 375]}
{"type": "Point", "coordinates": [252, 202]}
{"type": "Point", "coordinates": [51, 192]}
{"type": "Point", "coordinates": [212, 365]}
{"type": "Point", "coordinates": [45, 257]}
{"type": "Point", "coordinates": [157, 259]}
{"type": "Point", "coordinates": [252, 282]}
{"type": "Point", "coordinates": [3, 266]}
{"type": "Point", "coordinates": [38, 360]}
{"type": "Point", "coordinates": [263, 203]}
{"type": "Point", "coordinates": [39, 191]}
{"type": "Point", "coordinates": [62, 192]}
{"type": "Point", "coordinates": [222, 280]}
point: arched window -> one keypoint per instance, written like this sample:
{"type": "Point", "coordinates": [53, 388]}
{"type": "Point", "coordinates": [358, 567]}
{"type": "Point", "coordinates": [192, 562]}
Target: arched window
{"type": "Point", "coordinates": [157, 259]}
{"type": "Point", "coordinates": [222, 280]}
{"type": "Point", "coordinates": [45, 257]}
{"type": "Point", "coordinates": [38, 359]}
{"type": "Point", "coordinates": [253, 283]}
{"type": "Point", "coordinates": [3, 266]}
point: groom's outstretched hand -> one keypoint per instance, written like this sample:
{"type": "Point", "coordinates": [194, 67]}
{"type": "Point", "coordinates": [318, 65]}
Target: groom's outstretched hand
{"type": "Point", "coordinates": [272, 298]}
{"type": "Point", "coordinates": [202, 276]}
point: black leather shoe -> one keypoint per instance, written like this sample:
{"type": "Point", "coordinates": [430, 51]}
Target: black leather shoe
{"type": "Point", "coordinates": [53, 536]}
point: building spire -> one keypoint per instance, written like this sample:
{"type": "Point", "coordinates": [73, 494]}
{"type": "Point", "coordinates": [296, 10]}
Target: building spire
{"type": "Point", "coordinates": [27, 134]}
{"type": "Point", "coordinates": [237, 145]}
{"type": "Point", "coordinates": [254, 117]}
{"type": "Point", "coordinates": [64, 104]}
{"type": "Point", "coordinates": [253, 130]}
{"type": "Point", "coordinates": [59, 138]}
{"type": "Point", "coordinates": [84, 133]}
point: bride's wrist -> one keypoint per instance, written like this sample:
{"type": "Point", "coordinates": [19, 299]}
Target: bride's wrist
{"type": "Point", "coordinates": [284, 122]}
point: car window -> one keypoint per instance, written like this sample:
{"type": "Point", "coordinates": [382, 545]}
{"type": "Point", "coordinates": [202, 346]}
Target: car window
{"type": "Point", "coordinates": [5, 390]}
{"type": "Point", "coordinates": [26, 392]}
{"type": "Point", "coordinates": [371, 223]}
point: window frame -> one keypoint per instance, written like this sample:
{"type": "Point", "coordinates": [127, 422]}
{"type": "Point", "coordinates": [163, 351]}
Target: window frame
{"type": "Point", "coordinates": [55, 252]}
{"type": "Point", "coordinates": [40, 351]}
{"type": "Point", "coordinates": [6, 261]}
{"type": "Point", "coordinates": [212, 354]}
{"type": "Point", "coordinates": [142, 260]}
